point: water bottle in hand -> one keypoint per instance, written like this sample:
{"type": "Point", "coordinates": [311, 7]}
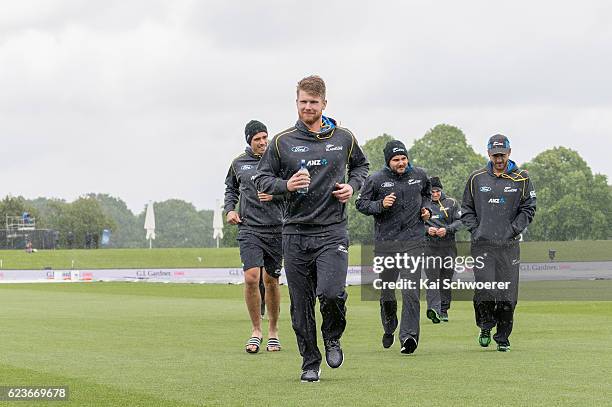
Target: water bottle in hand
{"type": "Point", "coordinates": [304, 170]}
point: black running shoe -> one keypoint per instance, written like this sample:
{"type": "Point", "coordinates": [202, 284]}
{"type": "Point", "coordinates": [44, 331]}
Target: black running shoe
{"type": "Point", "coordinates": [433, 315]}
{"type": "Point", "coordinates": [388, 340]}
{"type": "Point", "coordinates": [444, 316]}
{"type": "Point", "coordinates": [484, 338]}
{"type": "Point", "coordinates": [333, 354]}
{"type": "Point", "coordinates": [503, 347]}
{"type": "Point", "coordinates": [310, 376]}
{"type": "Point", "coordinates": [409, 345]}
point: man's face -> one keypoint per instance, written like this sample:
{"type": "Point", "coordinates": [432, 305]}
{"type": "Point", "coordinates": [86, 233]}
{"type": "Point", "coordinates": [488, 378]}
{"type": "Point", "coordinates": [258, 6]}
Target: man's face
{"type": "Point", "coordinates": [259, 142]}
{"type": "Point", "coordinates": [435, 194]}
{"type": "Point", "coordinates": [499, 160]}
{"type": "Point", "coordinates": [310, 107]}
{"type": "Point", "coordinates": [398, 164]}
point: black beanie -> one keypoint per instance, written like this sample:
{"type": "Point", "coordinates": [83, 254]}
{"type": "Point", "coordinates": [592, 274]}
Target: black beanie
{"type": "Point", "coordinates": [252, 128]}
{"type": "Point", "coordinates": [394, 148]}
{"type": "Point", "coordinates": [435, 182]}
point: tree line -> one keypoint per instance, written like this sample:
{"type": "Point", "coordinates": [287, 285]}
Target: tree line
{"type": "Point", "coordinates": [178, 223]}
{"type": "Point", "coordinates": [573, 203]}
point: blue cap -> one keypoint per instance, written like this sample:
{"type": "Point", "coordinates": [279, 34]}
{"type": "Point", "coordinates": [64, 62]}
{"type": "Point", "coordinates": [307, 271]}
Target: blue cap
{"type": "Point", "coordinates": [498, 144]}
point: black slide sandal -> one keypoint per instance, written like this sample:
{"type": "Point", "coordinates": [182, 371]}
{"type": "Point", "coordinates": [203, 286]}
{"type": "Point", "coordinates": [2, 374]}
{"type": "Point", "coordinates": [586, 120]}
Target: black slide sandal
{"type": "Point", "coordinates": [273, 342]}
{"type": "Point", "coordinates": [253, 341]}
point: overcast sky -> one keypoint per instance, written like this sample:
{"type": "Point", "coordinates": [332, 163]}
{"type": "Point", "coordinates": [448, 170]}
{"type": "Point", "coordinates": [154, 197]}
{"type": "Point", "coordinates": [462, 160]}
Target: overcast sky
{"type": "Point", "coordinates": [147, 100]}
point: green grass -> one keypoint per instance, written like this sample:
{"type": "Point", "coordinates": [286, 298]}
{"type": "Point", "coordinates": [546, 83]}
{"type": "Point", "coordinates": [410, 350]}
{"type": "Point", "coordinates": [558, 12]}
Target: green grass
{"type": "Point", "coordinates": [141, 344]}
{"type": "Point", "coordinates": [229, 257]}
{"type": "Point", "coordinates": [121, 258]}
{"type": "Point", "coordinates": [577, 250]}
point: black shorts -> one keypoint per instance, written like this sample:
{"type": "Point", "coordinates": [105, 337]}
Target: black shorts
{"type": "Point", "coordinates": [258, 250]}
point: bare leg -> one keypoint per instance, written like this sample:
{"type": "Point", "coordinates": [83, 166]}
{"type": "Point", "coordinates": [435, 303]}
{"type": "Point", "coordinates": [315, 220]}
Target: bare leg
{"type": "Point", "coordinates": [273, 305]}
{"type": "Point", "coordinates": [252, 297]}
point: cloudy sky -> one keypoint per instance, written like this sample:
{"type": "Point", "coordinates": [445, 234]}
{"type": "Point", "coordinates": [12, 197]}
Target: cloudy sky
{"type": "Point", "coordinates": [147, 100]}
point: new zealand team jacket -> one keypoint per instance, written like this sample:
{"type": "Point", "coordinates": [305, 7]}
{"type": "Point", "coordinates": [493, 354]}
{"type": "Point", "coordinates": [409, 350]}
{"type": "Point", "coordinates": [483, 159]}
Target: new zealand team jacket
{"type": "Point", "coordinates": [445, 213]}
{"type": "Point", "coordinates": [257, 216]}
{"type": "Point", "coordinates": [332, 156]}
{"type": "Point", "coordinates": [402, 221]}
{"type": "Point", "coordinates": [498, 208]}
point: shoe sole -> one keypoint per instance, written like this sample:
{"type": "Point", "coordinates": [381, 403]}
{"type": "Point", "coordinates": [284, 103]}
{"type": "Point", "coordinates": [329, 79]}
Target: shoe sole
{"type": "Point", "coordinates": [409, 350]}
{"type": "Point", "coordinates": [433, 316]}
{"type": "Point", "coordinates": [313, 381]}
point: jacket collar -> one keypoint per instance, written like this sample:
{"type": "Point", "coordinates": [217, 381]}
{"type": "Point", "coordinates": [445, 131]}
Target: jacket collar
{"type": "Point", "coordinates": [327, 130]}
{"type": "Point", "coordinates": [511, 166]}
{"type": "Point", "coordinates": [250, 153]}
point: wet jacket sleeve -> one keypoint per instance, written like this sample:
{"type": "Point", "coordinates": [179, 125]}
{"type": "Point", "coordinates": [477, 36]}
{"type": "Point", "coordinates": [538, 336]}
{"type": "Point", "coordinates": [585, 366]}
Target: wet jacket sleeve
{"type": "Point", "coordinates": [468, 209]}
{"type": "Point", "coordinates": [358, 167]}
{"type": "Point", "coordinates": [364, 202]}
{"type": "Point", "coordinates": [232, 190]}
{"type": "Point", "coordinates": [426, 195]}
{"type": "Point", "coordinates": [267, 179]}
{"type": "Point", "coordinates": [455, 225]}
{"type": "Point", "coordinates": [526, 209]}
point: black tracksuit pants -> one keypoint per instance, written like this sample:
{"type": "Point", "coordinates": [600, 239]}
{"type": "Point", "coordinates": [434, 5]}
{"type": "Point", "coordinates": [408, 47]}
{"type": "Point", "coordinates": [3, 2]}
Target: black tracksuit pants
{"type": "Point", "coordinates": [316, 267]}
{"type": "Point", "coordinates": [496, 307]}
{"type": "Point", "coordinates": [410, 320]}
{"type": "Point", "coordinates": [440, 300]}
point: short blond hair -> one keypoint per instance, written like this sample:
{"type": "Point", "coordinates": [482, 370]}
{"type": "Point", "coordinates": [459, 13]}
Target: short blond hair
{"type": "Point", "coordinates": [312, 85]}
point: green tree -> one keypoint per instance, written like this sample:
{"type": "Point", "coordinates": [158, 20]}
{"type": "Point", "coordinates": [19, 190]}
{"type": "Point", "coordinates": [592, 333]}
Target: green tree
{"type": "Point", "coordinates": [373, 149]}
{"type": "Point", "coordinates": [81, 217]}
{"type": "Point", "coordinates": [179, 224]}
{"type": "Point", "coordinates": [127, 232]}
{"type": "Point", "coordinates": [50, 212]}
{"type": "Point", "coordinates": [572, 203]}
{"type": "Point", "coordinates": [16, 206]}
{"type": "Point", "coordinates": [444, 152]}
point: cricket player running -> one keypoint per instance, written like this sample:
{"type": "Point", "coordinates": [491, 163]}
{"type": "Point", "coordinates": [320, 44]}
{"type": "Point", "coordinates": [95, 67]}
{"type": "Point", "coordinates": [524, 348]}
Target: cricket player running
{"type": "Point", "coordinates": [499, 202]}
{"type": "Point", "coordinates": [440, 229]}
{"type": "Point", "coordinates": [309, 161]}
{"type": "Point", "coordinates": [259, 223]}
{"type": "Point", "coordinates": [399, 199]}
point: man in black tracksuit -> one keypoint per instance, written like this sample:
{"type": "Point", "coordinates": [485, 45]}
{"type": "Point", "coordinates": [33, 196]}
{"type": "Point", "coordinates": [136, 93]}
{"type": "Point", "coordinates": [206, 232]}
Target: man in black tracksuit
{"type": "Point", "coordinates": [315, 239]}
{"type": "Point", "coordinates": [399, 198]}
{"type": "Point", "coordinates": [440, 230]}
{"type": "Point", "coordinates": [499, 202]}
{"type": "Point", "coordinates": [259, 223]}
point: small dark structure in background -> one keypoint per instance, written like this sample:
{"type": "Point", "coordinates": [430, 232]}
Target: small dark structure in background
{"type": "Point", "coordinates": [21, 230]}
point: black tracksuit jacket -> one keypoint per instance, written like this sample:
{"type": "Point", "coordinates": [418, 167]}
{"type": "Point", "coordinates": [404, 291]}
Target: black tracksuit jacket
{"type": "Point", "coordinates": [402, 221]}
{"type": "Point", "coordinates": [496, 209]}
{"type": "Point", "coordinates": [256, 216]}
{"type": "Point", "coordinates": [328, 155]}
{"type": "Point", "coordinates": [445, 213]}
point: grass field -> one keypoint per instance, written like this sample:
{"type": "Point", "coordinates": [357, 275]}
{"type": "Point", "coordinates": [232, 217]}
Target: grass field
{"type": "Point", "coordinates": [229, 257]}
{"type": "Point", "coordinates": [139, 344]}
